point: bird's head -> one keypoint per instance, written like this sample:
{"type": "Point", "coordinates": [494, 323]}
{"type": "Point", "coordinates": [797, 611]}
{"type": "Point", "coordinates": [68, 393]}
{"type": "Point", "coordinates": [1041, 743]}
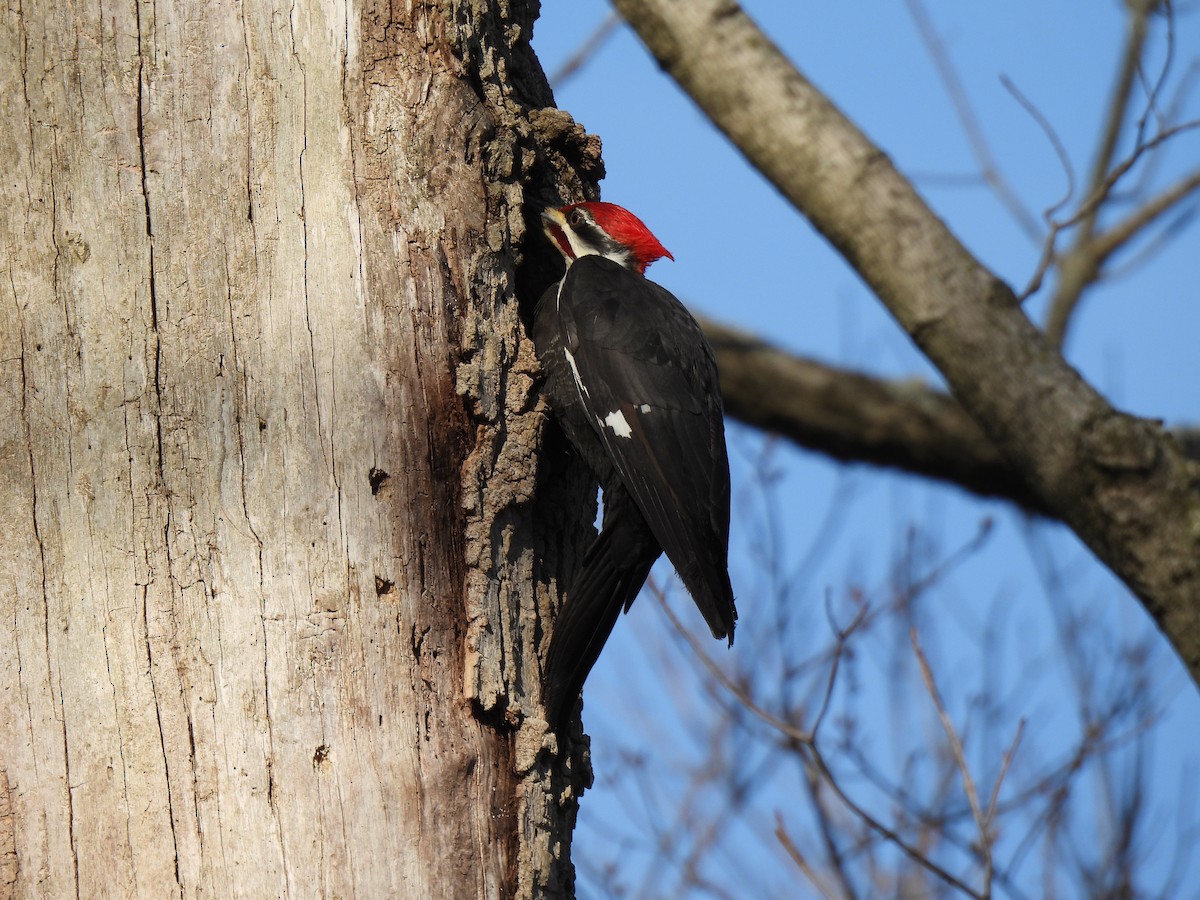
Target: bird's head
{"type": "Point", "coordinates": [603, 229]}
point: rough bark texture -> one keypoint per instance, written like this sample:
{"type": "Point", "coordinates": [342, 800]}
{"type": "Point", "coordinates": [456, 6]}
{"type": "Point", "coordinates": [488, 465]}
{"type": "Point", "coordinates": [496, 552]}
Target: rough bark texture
{"type": "Point", "coordinates": [849, 416]}
{"type": "Point", "coordinates": [902, 424]}
{"type": "Point", "coordinates": [267, 450]}
{"type": "Point", "coordinates": [1121, 483]}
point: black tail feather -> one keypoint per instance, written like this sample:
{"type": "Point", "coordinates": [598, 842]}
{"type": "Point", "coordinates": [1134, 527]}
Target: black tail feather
{"type": "Point", "coordinates": [614, 570]}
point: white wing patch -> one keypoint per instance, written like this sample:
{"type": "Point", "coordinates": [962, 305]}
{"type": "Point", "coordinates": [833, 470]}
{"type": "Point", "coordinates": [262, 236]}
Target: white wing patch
{"type": "Point", "coordinates": [617, 422]}
{"type": "Point", "coordinates": [575, 371]}
{"type": "Point", "coordinates": [644, 408]}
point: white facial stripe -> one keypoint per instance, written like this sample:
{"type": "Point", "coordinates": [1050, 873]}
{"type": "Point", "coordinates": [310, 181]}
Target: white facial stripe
{"type": "Point", "coordinates": [575, 371]}
{"type": "Point", "coordinates": [619, 255]}
{"type": "Point", "coordinates": [617, 422]}
{"type": "Point", "coordinates": [578, 247]}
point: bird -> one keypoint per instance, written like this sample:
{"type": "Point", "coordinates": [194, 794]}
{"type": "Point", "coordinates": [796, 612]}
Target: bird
{"type": "Point", "coordinates": [633, 384]}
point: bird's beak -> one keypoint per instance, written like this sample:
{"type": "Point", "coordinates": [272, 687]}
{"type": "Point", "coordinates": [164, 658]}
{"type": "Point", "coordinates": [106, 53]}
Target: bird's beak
{"type": "Point", "coordinates": [554, 223]}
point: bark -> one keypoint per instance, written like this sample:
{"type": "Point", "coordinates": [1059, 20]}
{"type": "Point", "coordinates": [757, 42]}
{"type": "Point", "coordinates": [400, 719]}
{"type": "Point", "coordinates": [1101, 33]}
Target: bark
{"type": "Point", "coordinates": [902, 424]}
{"type": "Point", "coordinates": [274, 577]}
{"type": "Point", "coordinates": [1121, 483]}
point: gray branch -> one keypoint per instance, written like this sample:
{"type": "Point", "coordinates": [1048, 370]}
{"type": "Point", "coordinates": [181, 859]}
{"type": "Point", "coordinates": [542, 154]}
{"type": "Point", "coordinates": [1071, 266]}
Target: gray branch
{"type": "Point", "coordinates": [901, 424]}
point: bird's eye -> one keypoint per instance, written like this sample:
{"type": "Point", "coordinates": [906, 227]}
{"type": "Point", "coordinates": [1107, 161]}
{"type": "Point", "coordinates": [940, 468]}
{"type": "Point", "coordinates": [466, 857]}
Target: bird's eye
{"type": "Point", "coordinates": [575, 218]}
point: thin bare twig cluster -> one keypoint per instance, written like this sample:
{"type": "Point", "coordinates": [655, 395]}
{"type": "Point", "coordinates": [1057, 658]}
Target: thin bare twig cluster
{"type": "Point", "coordinates": [1140, 120]}
{"type": "Point", "coordinates": [954, 785]}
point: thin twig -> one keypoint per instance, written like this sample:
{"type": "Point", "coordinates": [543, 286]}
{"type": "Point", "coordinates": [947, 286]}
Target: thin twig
{"type": "Point", "coordinates": [1173, 113]}
{"type": "Point", "coordinates": [825, 826]}
{"type": "Point", "coordinates": [1081, 266]}
{"type": "Point", "coordinates": [1153, 90]}
{"type": "Point", "coordinates": [1056, 143]}
{"type": "Point", "coordinates": [1154, 245]}
{"type": "Point", "coordinates": [1118, 108]}
{"type": "Point", "coordinates": [842, 638]}
{"type": "Point", "coordinates": [789, 847]}
{"type": "Point", "coordinates": [913, 853]}
{"type": "Point", "coordinates": [715, 671]}
{"type": "Point", "coordinates": [1005, 763]}
{"type": "Point", "coordinates": [586, 51]}
{"type": "Point", "coordinates": [960, 760]}
{"type": "Point", "coordinates": [1107, 243]}
{"type": "Point", "coordinates": [1077, 270]}
{"type": "Point", "coordinates": [1086, 254]}
{"type": "Point", "coordinates": [1051, 239]}
{"type": "Point", "coordinates": [1095, 200]}
{"type": "Point", "coordinates": [805, 740]}
{"type": "Point", "coordinates": [970, 124]}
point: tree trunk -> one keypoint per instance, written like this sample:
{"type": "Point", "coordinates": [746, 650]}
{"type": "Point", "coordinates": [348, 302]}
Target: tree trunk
{"type": "Point", "coordinates": [268, 450]}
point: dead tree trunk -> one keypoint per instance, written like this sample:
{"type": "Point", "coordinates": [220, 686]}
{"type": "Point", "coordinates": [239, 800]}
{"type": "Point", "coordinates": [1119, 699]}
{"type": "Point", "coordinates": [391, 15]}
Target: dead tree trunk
{"type": "Point", "coordinates": [268, 446]}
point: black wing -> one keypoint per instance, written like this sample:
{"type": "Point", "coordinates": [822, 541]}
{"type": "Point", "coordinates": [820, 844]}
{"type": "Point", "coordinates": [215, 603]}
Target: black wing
{"type": "Point", "coordinates": [648, 381]}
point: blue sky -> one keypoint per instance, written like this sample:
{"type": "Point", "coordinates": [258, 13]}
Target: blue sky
{"type": "Point", "coordinates": [744, 256]}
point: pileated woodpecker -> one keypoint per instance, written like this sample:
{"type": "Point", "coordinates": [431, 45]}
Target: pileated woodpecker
{"type": "Point", "coordinates": [633, 383]}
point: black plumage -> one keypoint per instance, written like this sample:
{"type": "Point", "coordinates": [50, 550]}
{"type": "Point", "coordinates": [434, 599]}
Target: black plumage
{"type": "Point", "coordinates": [633, 383]}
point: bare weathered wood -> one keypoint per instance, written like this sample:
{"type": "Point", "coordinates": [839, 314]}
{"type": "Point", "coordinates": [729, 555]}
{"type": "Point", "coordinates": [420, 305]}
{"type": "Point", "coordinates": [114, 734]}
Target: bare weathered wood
{"type": "Point", "coordinates": [268, 443]}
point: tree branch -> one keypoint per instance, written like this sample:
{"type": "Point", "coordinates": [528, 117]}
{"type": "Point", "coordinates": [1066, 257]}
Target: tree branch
{"type": "Point", "coordinates": [1109, 242]}
{"type": "Point", "coordinates": [587, 50]}
{"type": "Point", "coordinates": [1079, 267]}
{"type": "Point", "coordinates": [984, 845]}
{"type": "Point", "coordinates": [901, 424]}
{"type": "Point", "coordinates": [1120, 483]}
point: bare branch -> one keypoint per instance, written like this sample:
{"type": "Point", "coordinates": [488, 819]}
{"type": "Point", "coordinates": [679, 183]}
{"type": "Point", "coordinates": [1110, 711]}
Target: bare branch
{"type": "Point", "coordinates": [834, 855]}
{"type": "Point", "coordinates": [989, 170]}
{"type": "Point", "coordinates": [1060, 149]}
{"type": "Point", "coordinates": [1156, 243]}
{"type": "Point", "coordinates": [1154, 90]}
{"type": "Point", "coordinates": [902, 424]}
{"type": "Point", "coordinates": [1173, 113]}
{"type": "Point", "coordinates": [1005, 763]}
{"type": "Point", "coordinates": [1087, 257]}
{"type": "Point", "coordinates": [1137, 30]}
{"type": "Point", "coordinates": [720, 677]}
{"type": "Point", "coordinates": [802, 863]}
{"type": "Point", "coordinates": [589, 48]}
{"type": "Point", "coordinates": [960, 761]}
{"type": "Point", "coordinates": [842, 637]}
{"type": "Point", "coordinates": [1108, 242]}
{"type": "Point", "coordinates": [805, 743]}
{"type": "Point", "coordinates": [912, 852]}
{"type": "Point", "coordinates": [1079, 266]}
{"type": "Point", "coordinates": [1096, 199]}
